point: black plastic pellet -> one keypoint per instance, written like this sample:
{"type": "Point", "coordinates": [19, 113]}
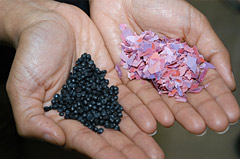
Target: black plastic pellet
{"type": "Point", "coordinates": [112, 119]}
{"type": "Point", "coordinates": [85, 102]}
{"type": "Point", "coordinates": [100, 109]}
{"type": "Point", "coordinates": [53, 101]}
{"type": "Point", "coordinates": [120, 114]}
{"type": "Point", "coordinates": [117, 128]}
{"type": "Point", "coordinates": [87, 98]}
{"type": "Point", "coordinates": [97, 114]}
{"type": "Point", "coordinates": [95, 129]}
{"type": "Point", "coordinates": [75, 111]}
{"type": "Point", "coordinates": [72, 109]}
{"type": "Point", "coordinates": [103, 101]}
{"type": "Point", "coordinates": [106, 81]}
{"type": "Point", "coordinates": [91, 62]}
{"type": "Point", "coordinates": [75, 106]}
{"type": "Point", "coordinates": [80, 111]}
{"type": "Point", "coordinates": [67, 112]}
{"type": "Point", "coordinates": [60, 110]}
{"type": "Point", "coordinates": [101, 122]}
{"type": "Point", "coordinates": [100, 130]}
{"type": "Point", "coordinates": [94, 107]}
{"type": "Point", "coordinates": [90, 105]}
{"type": "Point", "coordinates": [54, 106]}
{"type": "Point", "coordinates": [115, 97]}
{"type": "Point", "coordinates": [90, 117]}
{"type": "Point", "coordinates": [79, 118]}
{"type": "Point", "coordinates": [75, 117]}
{"type": "Point", "coordinates": [118, 120]}
{"type": "Point", "coordinates": [56, 96]}
{"type": "Point", "coordinates": [104, 113]}
{"type": "Point", "coordinates": [86, 108]}
{"type": "Point", "coordinates": [121, 107]}
{"type": "Point", "coordinates": [115, 88]}
{"type": "Point", "coordinates": [90, 126]}
{"type": "Point", "coordinates": [107, 124]}
{"type": "Point", "coordinates": [46, 108]}
{"type": "Point", "coordinates": [64, 87]}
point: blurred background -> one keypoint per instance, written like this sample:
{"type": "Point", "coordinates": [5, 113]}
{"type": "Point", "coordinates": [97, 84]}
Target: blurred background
{"type": "Point", "coordinates": [176, 142]}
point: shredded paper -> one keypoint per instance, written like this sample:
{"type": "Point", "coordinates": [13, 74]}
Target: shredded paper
{"type": "Point", "coordinates": [172, 66]}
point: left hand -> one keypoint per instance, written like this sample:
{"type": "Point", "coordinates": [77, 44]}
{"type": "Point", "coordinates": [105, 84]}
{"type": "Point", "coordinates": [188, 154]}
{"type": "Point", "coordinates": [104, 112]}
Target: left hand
{"type": "Point", "coordinates": [214, 106]}
{"type": "Point", "coordinates": [51, 37]}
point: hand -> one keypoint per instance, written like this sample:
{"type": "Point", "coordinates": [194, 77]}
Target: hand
{"type": "Point", "coordinates": [215, 106]}
{"type": "Point", "coordinates": [52, 36]}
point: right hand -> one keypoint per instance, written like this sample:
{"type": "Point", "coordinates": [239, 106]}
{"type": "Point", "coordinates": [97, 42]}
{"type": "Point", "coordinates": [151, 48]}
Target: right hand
{"type": "Point", "coordinates": [214, 106]}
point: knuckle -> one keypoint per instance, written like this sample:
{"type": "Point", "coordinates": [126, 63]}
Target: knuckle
{"type": "Point", "coordinates": [209, 79]}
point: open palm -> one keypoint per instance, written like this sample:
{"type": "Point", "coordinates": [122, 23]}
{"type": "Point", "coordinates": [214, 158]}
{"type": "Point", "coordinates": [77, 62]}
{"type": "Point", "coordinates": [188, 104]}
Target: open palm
{"type": "Point", "coordinates": [46, 51]}
{"type": "Point", "coordinates": [215, 106]}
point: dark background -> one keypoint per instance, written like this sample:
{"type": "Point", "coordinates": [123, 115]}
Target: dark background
{"type": "Point", "coordinates": [176, 142]}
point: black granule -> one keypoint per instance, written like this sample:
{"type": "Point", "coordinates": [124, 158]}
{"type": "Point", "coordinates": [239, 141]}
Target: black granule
{"type": "Point", "coordinates": [87, 98]}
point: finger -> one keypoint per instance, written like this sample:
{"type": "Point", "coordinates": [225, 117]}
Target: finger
{"type": "Point", "coordinates": [137, 110]}
{"type": "Point", "coordinates": [142, 140]}
{"type": "Point", "coordinates": [40, 127]}
{"type": "Point", "coordinates": [84, 140]}
{"type": "Point", "coordinates": [123, 144]}
{"type": "Point", "coordinates": [218, 89]}
{"type": "Point", "coordinates": [26, 100]}
{"type": "Point", "coordinates": [150, 97]}
{"type": "Point", "coordinates": [211, 47]}
{"type": "Point", "coordinates": [186, 115]}
{"type": "Point", "coordinates": [128, 127]}
{"type": "Point", "coordinates": [30, 119]}
{"type": "Point", "coordinates": [132, 104]}
{"type": "Point", "coordinates": [209, 109]}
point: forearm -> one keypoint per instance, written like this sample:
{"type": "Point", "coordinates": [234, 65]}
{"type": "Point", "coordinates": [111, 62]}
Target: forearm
{"type": "Point", "coordinates": [15, 16]}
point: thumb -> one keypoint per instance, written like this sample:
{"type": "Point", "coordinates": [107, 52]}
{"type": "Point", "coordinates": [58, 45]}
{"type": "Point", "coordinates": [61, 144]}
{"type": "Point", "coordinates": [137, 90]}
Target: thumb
{"type": "Point", "coordinates": [28, 112]}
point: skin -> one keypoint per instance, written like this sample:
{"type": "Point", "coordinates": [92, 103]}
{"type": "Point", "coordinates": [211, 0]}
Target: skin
{"type": "Point", "coordinates": [215, 106]}
{"type": "Point", "coordinates": [49, 37]}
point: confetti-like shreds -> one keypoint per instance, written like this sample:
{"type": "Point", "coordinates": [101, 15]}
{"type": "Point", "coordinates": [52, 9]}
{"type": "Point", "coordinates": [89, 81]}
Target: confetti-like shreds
{"type": "Point", "coordinates": [174, 67]}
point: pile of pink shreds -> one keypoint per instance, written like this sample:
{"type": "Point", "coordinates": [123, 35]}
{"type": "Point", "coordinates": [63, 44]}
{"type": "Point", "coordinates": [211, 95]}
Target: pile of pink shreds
{"type": "Point", "coordinates": [174, 67]}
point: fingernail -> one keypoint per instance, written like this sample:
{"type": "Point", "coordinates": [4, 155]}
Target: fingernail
{"type": "Point", "coordinates": [50, 138]}
{"type": "Point", "coordinates": [203, 133]}
{"type": "Point", "coordinates": [233, 77]}
{"type": "Point", "coordinates": [223, 132]}
{"type": "Point", "coordinates": [154, 133]}
{"type": "Point", "coordinates": [234, 123]}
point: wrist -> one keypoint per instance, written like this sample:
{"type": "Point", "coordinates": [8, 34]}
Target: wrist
{"type": "Point", "coordinates": [16, 15]}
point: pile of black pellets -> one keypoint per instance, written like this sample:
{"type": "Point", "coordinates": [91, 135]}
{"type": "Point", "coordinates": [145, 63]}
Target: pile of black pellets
{"type": "Point", "coordinates": [87, 98]}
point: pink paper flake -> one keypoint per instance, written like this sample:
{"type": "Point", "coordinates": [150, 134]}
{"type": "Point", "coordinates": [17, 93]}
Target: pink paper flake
{"type": "Point", "coordinates": [173, 67]}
